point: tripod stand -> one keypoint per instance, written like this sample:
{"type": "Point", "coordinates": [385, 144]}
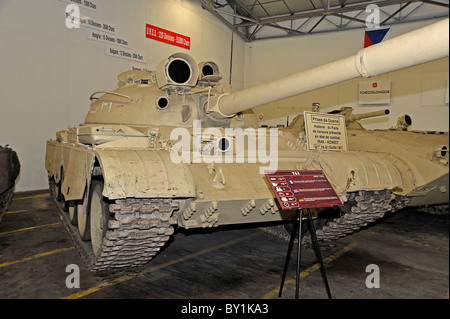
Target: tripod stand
{"type": "Point", "coordinates": [297, 228]}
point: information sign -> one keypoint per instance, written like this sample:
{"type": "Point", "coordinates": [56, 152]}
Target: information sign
{"type": "Point", "coordinates": [107, 38]}
{"type": "Point", "coordinates": [167, 36]}
{"type": "Point", "coordinates": [325, 132]}
{"type": "Point", "coordinates": [125, 54]}
{"type": "Point", "coordinates": [85, 4]}
{"type": "Point", "coordinates": [375, 92]}
{"type": "Point", "coordinates": [303, 189]}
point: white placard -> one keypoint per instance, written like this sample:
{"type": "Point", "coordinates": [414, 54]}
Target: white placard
{"type": "Point", "coordinates": [125, 54]}
{"type": "Point", "coordinates": [98, 25]}
{"type": "Point", "coordinates": [85, 4]}
{"type": "Point", "coordinates": [140, 67]}
{"type": "Point", "coordinates": [107, 38]}
{"type": "Point", "coordinates": [375, 92]}
{"type": "Point", "coordinates": [325, 132]}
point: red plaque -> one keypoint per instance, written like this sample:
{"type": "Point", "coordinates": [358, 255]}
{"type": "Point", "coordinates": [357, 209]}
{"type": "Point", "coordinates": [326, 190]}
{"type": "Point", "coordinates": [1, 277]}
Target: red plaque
{"type": "Point", "coordinates": [303, 189]}
{"type": "Point", "coordinates": [166, 36]}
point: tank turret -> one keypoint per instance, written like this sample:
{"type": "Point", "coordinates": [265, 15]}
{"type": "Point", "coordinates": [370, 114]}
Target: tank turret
{"type": "Point", "coordinates": [181, 91]}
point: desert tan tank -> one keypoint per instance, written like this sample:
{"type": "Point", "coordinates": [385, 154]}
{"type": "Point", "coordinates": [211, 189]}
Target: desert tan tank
{"type": "Point", "coordinates": [176, 148]}
{"type": "Point", "coordinates": [9, 171]}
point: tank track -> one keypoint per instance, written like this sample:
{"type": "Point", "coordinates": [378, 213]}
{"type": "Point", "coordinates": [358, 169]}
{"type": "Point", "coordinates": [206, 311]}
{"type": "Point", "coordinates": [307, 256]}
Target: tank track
{"type": "Point", "coordinates": [435, 210]}
{"type": "Point", "coordinates": [367, 207]}
{"type": "Point", "coordinates": [5, 199]}
{"type": "Point", "coordinates": [136, 232]}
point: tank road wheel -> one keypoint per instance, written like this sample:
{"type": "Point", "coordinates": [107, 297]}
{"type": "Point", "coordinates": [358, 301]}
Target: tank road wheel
{"type": "Point", "coordinates": [55, 191]}
{"type": "Point", "coordinates": [99, 217]}
{"type": "Point", "coordinates": [62, 200]}
{"type": "Point", "coordinates": [83, 217]}
{"type": "Point", "coordinates": [73, 212]}
{"type": "Point", "coordinates": [125, 233]}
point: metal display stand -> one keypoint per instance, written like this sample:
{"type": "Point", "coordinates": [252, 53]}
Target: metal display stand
{"type": "Point", "coordinates": [302, 189]}
{"type": "Point", "coordinates": [297, 229]}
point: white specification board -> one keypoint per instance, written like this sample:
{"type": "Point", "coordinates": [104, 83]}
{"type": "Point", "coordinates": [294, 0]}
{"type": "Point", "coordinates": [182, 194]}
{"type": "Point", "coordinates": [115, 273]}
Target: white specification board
{"type": "Point", "coordinates": [107, 38]}
{"type": "Point", "coordinates": [85, 4]}
{"type": "Point", "coordinates": [325, 132]}
{"type": "Point", "coordinates": [375, 92]}
{"type": "Point", "coordinates": [98, 25]}
{"type": "Point", "coordinates": [125, 54]}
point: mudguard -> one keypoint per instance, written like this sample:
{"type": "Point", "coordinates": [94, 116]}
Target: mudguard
{"type": "Point", "coordinates": [77, 173]}
{"type": "Point", "coordinates": [143, 173]}
{"type": "Point", "coordinates": [53, 160]}
{"type": "Point", "coordinates": [354, 171]}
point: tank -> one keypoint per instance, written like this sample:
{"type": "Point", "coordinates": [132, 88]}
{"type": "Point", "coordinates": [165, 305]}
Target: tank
{"type": "Point", "coordinates": [177, 148]}
{"type": "Point", "coordinates": [9, 171]}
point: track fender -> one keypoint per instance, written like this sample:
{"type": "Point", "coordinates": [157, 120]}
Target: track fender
{"type": "Point", "coordinates": [354, 171]}
{"type": "Point", "coordinates": [53, 160]}
{"type": "Point", "coordinates": [144, 174]}
{"type": "Point", "coordinates": [77, 173]}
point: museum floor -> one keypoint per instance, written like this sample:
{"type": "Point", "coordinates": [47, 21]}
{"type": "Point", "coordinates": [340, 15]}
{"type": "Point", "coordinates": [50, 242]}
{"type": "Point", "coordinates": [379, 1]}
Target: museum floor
{"type": "Point", "coordinates": [410, 248]}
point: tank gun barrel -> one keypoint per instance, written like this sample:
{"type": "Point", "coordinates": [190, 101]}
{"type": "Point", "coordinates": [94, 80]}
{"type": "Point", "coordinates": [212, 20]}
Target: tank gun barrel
{"type": "Point", "coordinates": [420, 46]}
{"type": "Point", "coordinates": [356, 117]}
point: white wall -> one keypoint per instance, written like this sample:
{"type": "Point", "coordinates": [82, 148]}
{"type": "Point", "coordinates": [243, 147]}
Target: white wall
{"type": "Point", "coordinates": [417, 91]}
{"type": "Point", "coordinates": [48, 72]}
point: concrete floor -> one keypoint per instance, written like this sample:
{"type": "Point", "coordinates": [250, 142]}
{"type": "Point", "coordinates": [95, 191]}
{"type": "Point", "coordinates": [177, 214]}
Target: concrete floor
{"type": "Point", "coordinates": [410, 248]}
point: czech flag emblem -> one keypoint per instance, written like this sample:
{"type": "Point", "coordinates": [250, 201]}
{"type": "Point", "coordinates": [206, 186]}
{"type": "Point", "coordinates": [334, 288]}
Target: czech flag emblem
{"type": "Point", "coordinates": [375, 36]}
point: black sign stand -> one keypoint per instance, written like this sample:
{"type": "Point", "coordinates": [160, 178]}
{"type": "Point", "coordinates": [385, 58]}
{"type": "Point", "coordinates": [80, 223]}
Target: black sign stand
{"type": "Point", "coordinates": [297, 228]}
{"type": "Point", "coordinates": [300, 189]}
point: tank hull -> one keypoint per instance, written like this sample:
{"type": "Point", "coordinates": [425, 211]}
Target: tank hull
{"type": "Point", "coordinates": [236, 193]}
{"type": "Point", "coordinates": [9, 171]}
